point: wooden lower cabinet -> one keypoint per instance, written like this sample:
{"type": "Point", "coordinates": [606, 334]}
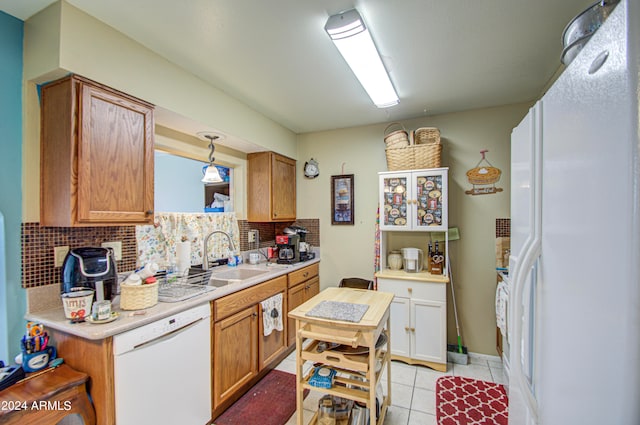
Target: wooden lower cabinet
{"type": "Point", "coordinates": [272, 346]}
{"type": "Point", "coordinates": [235, 342]}
{"type": "Point", "coordinates": [242, 354]}
{"type": "Point", "coordinates": [303, 285]}
{"type": "Point", "coordinates": [298, 295]}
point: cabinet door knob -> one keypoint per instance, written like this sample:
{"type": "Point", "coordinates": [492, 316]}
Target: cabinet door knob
{"type": "Point", "coordinates": [305, 274]}
{"type": "Point", "coordinates": [149, 212]}
{"type": "Point", "coordinates": [255, 314]}
{"type": "Point", "coordinates": [409, 290]}
{"type": "Point", "coordinates": [407, 328]}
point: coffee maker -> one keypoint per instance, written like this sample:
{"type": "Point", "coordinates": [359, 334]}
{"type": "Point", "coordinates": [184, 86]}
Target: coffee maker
{"type": "Point", "coordinates": [288, 249]}
{"type": "Point", "coordinates": [304, 248]}
{"type": "Point", "coordinates": [90, 268]}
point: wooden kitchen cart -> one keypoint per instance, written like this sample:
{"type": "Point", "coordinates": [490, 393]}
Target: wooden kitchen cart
{"type": "Point", "coordinates": [357, 376]}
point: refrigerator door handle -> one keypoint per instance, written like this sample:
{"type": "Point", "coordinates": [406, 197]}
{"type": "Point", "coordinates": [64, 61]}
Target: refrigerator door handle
{"type": "Point", "coordinates": [517, 372]}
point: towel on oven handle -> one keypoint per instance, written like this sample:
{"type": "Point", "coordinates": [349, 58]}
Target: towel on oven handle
{"type": "Point", "coordinates": [272, 314]}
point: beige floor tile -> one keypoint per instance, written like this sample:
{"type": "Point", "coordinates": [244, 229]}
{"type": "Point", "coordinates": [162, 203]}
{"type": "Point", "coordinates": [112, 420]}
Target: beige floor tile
{"type": "Point", "coordinates": [287, 366]}
{"type": "Point", "coordinates": [401, 395]}
{"type": "Point", "coordinates": [498, 375]}
{"type": "Point", "coordinates": [426, 377]}
{"type": "Point", "coordinates": [402, 373]}
{"type": "Point", "coordinates": [473, 371]}
{"type": "Point", "coordinates": [424, 401]}
{"type": "Point", "coordinates": [307, 415]}
{"type": "Point", "coordinates": [421, 418]}
{"type": "Point", "coordinates": [397, 416]}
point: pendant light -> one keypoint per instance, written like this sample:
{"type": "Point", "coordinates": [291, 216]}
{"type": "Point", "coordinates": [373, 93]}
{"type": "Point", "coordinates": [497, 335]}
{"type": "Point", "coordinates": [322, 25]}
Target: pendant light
{"type": "Point", "coordinates": [211, 175]}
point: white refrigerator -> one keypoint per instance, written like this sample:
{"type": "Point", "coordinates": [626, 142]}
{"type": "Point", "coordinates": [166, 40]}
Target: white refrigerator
{"type": "Point", "coordinates": [574, 322]}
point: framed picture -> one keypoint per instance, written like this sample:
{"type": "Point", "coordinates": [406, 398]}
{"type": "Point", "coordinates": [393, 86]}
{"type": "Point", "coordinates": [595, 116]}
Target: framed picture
{"type": "Point", "coordinates": [342, 199]}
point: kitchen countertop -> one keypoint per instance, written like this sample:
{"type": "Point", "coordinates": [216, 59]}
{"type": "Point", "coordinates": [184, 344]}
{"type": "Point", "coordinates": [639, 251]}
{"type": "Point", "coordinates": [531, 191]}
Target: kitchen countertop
{"type": "Point", "coordinates": [128, 320]}
{"type": "Point", "coordinates": [421, 276]}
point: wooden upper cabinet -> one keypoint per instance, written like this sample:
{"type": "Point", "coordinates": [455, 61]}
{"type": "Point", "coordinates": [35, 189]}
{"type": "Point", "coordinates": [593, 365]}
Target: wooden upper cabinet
{"type": "Point", "coordinates": [96, 162]}
{"type": "Point", "coordinates": [271, 187]}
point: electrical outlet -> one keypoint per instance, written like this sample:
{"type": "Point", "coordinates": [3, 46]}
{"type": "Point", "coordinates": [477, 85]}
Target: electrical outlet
{"type": "Point", "coordinates": [59, 254]}
{"type": "Point", "coordinates": [116, 246]}
{"type": "Point", "coordinates": [251, 236]}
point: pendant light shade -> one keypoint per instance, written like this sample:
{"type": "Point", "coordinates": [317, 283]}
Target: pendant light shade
{"type": "Point", "coordinates": [353, 40]}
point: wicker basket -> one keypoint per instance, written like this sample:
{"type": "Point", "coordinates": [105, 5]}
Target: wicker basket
{"type": "Point", "coordinates": [414, 157]}
{"type": "Point", "coordinates": [483, 175]}
{"type": "Point", "coordinates": [137, 297]}
{"type": "Point", "coordinates": [426, 136]}
{"type": "Point", "coordinates": [397, 138]}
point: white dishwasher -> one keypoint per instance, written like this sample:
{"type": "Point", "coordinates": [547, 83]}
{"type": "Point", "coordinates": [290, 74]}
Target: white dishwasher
{"type": "Point", "coordinates": [162, 371]}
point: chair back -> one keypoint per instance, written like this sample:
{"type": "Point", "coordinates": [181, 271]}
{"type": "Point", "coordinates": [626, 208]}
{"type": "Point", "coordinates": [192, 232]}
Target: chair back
{"type": "Point", "coordinates": [356, 282]}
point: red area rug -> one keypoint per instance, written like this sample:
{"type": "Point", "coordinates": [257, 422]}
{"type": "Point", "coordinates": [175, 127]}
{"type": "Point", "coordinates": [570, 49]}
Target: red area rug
{"type": "Point", "coordinates": [466, 401]}
{"type": "Point", "coordinates": [271, 401]}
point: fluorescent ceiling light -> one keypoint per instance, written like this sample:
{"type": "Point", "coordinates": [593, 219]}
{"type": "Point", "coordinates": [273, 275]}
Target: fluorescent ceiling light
{"type": "Point", "coordinates": [352, 38]}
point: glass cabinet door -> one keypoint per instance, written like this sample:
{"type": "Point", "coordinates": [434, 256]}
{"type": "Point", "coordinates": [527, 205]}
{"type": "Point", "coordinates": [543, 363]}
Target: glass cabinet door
{"type": "Point", "coordinates": [394, 201]}
{"type": "Point", "coordinates": [429, 200]}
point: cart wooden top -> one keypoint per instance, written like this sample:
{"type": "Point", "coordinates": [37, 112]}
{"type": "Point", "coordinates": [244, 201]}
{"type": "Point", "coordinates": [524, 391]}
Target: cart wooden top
{"type": "Point", "coordinates": [378, 303]}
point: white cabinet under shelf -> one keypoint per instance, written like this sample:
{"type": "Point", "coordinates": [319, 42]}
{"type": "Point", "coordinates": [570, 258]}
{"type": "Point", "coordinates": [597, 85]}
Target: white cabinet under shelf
{"type": "Point", "coordinates": [418, 317]}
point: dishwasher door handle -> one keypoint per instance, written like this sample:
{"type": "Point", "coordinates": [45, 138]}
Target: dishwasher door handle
{"type": "Point", "coordinates": [167, 337]}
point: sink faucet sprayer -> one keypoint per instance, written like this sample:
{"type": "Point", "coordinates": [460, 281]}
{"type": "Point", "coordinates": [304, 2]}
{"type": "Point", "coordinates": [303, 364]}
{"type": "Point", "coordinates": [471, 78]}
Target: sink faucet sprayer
{"type": "Point", "coordinates": [205, 259]}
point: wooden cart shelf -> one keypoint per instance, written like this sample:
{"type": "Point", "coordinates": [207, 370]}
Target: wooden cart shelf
{"type": "Point", "coordinates": [357, 376]}
{"type": "Point", "coordinates": [351, 362]}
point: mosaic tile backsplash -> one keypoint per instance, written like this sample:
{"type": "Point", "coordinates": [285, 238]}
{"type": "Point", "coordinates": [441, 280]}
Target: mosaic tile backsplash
{"type": "Point", "coordinates": [38, 244]}
{"type": "Point", "coordinates": [503, 227]}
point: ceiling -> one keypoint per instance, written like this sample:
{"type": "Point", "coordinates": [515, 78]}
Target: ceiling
{"type": "Point", "coordinates": [442, 56]}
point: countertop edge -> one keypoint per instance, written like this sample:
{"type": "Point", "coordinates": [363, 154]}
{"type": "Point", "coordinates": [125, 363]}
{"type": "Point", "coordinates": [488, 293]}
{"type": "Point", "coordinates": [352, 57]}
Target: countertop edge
{"type": "Point", "coordinates": [402, 275]}
{"type": "Point", "coordinates": [128, 320]}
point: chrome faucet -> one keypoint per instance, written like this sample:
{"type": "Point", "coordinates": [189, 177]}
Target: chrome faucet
{"type": "Point", "coordinates": [205, 259]}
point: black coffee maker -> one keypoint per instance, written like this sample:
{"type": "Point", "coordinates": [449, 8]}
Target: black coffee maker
{"type": "Point", "coordinates": [288, 249]}
{"type": "Point", "coordinates": [89, 268]}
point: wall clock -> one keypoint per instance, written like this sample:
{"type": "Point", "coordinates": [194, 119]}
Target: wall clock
{"type": "Point", "coordinates": [311, 169]}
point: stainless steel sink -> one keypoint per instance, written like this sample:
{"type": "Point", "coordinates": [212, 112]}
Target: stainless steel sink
{"type": "Point", "coordinates": [233, 276]}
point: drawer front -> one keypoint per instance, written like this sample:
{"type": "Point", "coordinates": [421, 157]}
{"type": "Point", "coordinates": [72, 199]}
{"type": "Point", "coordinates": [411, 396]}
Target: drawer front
{"type": "Point", "coordinates": [303, 274]}
{"type": "Point", "coordinates": [232, 303]}
{"type": "Point", "coordinates": [414, 289]}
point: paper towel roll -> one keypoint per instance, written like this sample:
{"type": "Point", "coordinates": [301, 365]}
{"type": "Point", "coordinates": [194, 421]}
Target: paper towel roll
{"type": "Point", "coordinates": [183, 256]}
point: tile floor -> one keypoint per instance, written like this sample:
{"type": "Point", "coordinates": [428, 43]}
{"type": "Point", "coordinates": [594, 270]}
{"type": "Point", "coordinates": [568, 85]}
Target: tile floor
{"type": "Point", "coordinates": [412, 388]}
